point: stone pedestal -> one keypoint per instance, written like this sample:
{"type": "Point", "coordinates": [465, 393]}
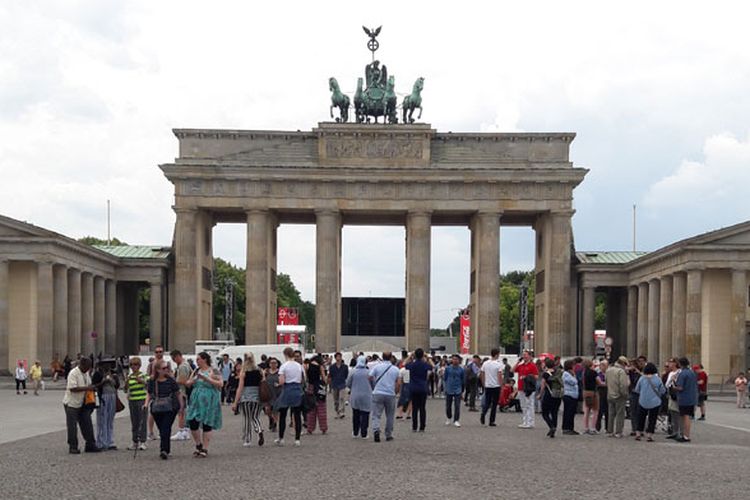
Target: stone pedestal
{"type": "Point", "coordinates": [327, 280]}
{"type": "Point", "coordinates": [418, 247]}
{"type": "Point", "coordinates": [485, 282]}
{"type": "Point", "coordinates": [260, 316]}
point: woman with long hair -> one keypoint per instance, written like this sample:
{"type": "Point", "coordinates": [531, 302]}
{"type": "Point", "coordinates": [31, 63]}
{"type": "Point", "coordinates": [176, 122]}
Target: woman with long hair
{"type": "Point", "coordinates": [549, 396]}
{"type": "Point", "coordinates": [106, 384]}
{"type": "Point", "coordinates": [272, 379]}
{"type": "Point", "coordinates": [164, 387]}
{"type": "Point", "coordinates": [248, 396]}
{"type": "Point", "coordinates": [290, 380]}
{"type": "Point", "coordinates": [590, 397]}
{"type": "Point", "coordinates": [316, 377]}
{"type": "Point", "coordinates": [204, 410]}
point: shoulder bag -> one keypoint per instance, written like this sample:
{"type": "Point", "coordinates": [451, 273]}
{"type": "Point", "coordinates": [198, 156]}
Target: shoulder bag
{"type": "Point", "coordinates": [662, 397]}
{"type": "Point", "coordinates": [161, 404]}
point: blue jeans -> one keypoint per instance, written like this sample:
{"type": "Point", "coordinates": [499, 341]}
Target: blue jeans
{"type": "Point", "coordinates": [455, 401]}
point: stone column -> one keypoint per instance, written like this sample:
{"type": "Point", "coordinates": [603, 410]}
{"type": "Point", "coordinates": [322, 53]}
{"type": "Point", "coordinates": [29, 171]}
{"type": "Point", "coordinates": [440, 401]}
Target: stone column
{"type": "Point", "coordinates": [99, 319]}
{"type": "Point", "coordinates": [260, 318]}
{"type": "Point", "coordinates": [418, 246]}
{"type": "Point", "coordinates": [110, 319]}
{"type": "Point", "coordinates": [642, 319]}
{"type": "Point", "coordinates": [693, 318]}
{"type": "Point", "coordinates": [5, 363]}
{"type": "Point", "coordinates": [60, 300]}
{"type": "Point", "coordinates": [632, 322]}
{"type": "Point", "coordinates": [738, 347]}
{"type": "Point", "coordinates": [587, 320]}
{"type": "Point", "coordinates": [188, 276]}
{"type": "Point", "coordinates": [654, 296]}
{"type": "Point", "coordinates": [485, 282]}
{"type": "Point", "coordinates": [87, 314]}
{"type": "Point", "coordinates": [665, 320]}
{"type": "Point", "coordinates": [679, 298]}
{"type": "Point", "coordinates": [155, 316]}
{"type": "Point", "coordinates": [45, 313]}
{"type": "Point", "coordinates": [74, 312]}
{"type": "Point", "coordinates": [328, 280]}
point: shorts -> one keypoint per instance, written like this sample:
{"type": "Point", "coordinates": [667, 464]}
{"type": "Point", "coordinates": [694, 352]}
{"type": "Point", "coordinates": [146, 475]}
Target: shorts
{"type": "Point", "coordinates": [194, 424]}
{"type": "Point", "coordinates": [591, 399]}
{"type": "Point", "coordinates": [688, 411]}
{"type": "Point", "coordinates": [702, 397]}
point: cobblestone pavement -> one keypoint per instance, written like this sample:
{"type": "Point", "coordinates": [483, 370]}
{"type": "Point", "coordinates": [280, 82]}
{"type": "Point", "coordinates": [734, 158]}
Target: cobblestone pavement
{"type": "Point", "coordinates": [443, 462]}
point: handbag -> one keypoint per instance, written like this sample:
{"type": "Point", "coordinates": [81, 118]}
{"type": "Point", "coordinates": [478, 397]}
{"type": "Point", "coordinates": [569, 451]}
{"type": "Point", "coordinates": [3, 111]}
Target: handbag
{"type": "Point", "coordinates": [89, 400]}
{"type": "Point", "coordinates": [264, 392]}
{"type": "Point", "coordinates": [160, 405]}
{"type": "Point", "coordinates": [118, 404]}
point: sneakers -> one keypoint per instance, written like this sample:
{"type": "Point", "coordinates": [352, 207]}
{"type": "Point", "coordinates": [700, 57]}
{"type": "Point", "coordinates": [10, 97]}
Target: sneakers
{"type": "Point", "coordinates": [132, 447]}
{"type": "Point", "coordinates": [296, 443]}
{"type": "Point", "coordinates": [448, 422]}
{"type": "Point", "coordinates": [703, 417]}
{"type": "Point", "coordinates": [247, 444]}
{"type": "Point", "coordinates": [74, 451]}
{"type": "Point", "coordinates": [279, 442]}
{"type": "Point", "coordinates": [376, 436]}
{"type": "Point", "coordinates": [163, 455]}
{"type": "Point", "coordinates": [261, 440]}
{"type": "Point", "coordinates": [525, 426]}
{"type": "Point", "coordinates": [142, 447]}
{"type": "Point", "coordinates": [152, 437]}
{"type": "Point", "coordinates": [456, 424]}
{"type": "Point", "coordinates": [181, 435]}
{"type": "Point", "coordinates": [481, 419]}
{"type": "Point", "coordinates": [389, 438]}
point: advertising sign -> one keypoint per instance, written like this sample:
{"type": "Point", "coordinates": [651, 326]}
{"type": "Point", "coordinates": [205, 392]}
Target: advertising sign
{"type": "Point", "coordinates": [465, 333]}
{"type": "Point", "coordinates": [287, 316]}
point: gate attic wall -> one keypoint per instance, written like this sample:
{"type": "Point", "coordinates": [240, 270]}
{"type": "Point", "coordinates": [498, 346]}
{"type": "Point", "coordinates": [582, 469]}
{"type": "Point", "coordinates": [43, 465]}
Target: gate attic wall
{"type": "Point", "coordinates": [406, 175]}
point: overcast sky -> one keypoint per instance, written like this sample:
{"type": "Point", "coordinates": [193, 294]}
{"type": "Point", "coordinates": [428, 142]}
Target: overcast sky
{"type": "Point", "coordinates": [658, 93]}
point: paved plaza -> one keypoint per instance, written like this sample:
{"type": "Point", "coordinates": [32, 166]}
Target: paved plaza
{"type": "Point", "coordinates": [443, 462]}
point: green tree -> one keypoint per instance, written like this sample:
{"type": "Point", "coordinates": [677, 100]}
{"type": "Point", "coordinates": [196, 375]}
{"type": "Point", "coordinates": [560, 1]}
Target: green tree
{"type": "Point", "coordinates": [225, 273]}
{"type": "Point", "coordinates": [600, 311]}
{"type": "Point", "coordinates": [510, 307]}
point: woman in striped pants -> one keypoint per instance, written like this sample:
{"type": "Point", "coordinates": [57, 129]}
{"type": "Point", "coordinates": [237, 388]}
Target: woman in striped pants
{"type": "Point", "coordinates": [107, 385]}
{"type": "Point", "coordinates": [248, 397]}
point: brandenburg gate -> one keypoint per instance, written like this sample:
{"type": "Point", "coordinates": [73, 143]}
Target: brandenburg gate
{"type": "Point", "coordinates": [376, 174]}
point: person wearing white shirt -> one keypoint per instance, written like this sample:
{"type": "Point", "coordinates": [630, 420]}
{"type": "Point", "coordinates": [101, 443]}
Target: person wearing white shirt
{"type": "Point", "coordinates": [490, 377]}
{"type": "Point", "coordinates": [21, 377]}
{"type": "Point", "coordinates": [290, 379]}
{"type": "Point", "coordinates": [76, 415]}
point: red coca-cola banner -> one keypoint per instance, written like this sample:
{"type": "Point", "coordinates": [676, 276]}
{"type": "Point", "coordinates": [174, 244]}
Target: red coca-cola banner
{"type": "Point", "coordinates": [287, 316]}
{"type": "Point", "coordinates": [465, 334]}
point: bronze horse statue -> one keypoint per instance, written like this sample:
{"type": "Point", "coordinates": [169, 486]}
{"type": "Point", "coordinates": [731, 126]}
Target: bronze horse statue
{"type": "Point", "coordinates": [338, 100]}
{"type": "Point", "coordinates": [413, 101]}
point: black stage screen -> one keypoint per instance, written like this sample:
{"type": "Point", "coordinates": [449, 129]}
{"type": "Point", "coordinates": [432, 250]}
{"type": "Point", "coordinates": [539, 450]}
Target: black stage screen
{"type": "Point", "coordinates": [373, 316]}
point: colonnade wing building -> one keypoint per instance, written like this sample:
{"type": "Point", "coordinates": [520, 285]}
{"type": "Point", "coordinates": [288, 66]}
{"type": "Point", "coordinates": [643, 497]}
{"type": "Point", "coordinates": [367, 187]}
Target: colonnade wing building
{"type": "Point", "coordinates": [688, 298]}
{"type": "Point", "coordinates": [59, 296]}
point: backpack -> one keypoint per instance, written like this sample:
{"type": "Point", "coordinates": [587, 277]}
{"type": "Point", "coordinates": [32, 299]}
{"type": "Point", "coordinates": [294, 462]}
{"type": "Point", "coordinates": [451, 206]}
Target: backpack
{"type": "Point", "coordinates": [469, 373]}
{"type": "Point", "coordinates": [529, 385]}
{"type": "Point", "coordinates": [555, 384]}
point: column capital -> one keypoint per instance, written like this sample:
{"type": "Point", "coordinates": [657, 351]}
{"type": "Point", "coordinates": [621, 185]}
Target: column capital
{"type": "Point", "coordinates": [184, 210]}
{"type": "Point", "coordinates": [420, 212]}
{"type": "Point", "coordinates": [489, 213]}
{"type": "Point", "coordinates": [327, 211]}
{"type": "Point", "coordinates": [563, 212]}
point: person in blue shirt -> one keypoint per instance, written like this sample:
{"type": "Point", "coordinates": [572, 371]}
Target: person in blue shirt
{"type": "Point", "coordinates": [385, 385]}
{"type": "Point", "coordinates": [570, 398]}
{"type": "Point", "coordinates": [453, 378]}
{"type": "Point", "coordinates": [650, 390]}
{"type": "Point", "coordinates": [687, 397]}
{"type": "Point", "coordinates": [419, 371]}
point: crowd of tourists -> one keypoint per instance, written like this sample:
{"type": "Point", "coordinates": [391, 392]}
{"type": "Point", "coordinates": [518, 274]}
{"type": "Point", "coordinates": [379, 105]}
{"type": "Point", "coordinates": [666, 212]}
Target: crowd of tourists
{"type": "Point", "coordinates": [290, 396]}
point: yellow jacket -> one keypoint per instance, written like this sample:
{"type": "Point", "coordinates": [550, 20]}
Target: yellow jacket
{"type": "Point", "coordinates": [36, 372]}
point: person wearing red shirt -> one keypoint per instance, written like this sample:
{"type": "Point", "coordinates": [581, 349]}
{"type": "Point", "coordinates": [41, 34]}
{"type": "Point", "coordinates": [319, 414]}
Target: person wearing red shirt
{"type": "Point", "coordinates": [527, 388]}
{"type": "Point", "coordinates": [508, 397]}
{"type": "Point", "coordinates": [702, 377]}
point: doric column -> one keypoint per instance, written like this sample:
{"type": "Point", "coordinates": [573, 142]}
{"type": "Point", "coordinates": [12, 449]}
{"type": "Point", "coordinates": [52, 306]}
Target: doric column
{"type": "Point", "coordinates": [60, 299]}
{"type": "Point", "coordinates": [654, 296]}
{"type": "Point", "coordinates": [328, 280]}
{"type": "Point", "coordinates": [260, 318]}
{"type": "Point", "coordinates": [155, 316]}
{"type": "Point", "coordinates": [693, 315]}
{"type": "Point", "coordinates": [418, 243]}
{"type": "Point", "coordinates": [74, 312]}
{"type": "Point", "coordinates": [110, 319]}
{"type": "Point", "coordinates": [738, 345]}
{"type": "Point", "coordinates": [99, 319]}
{"type": "Point", "coordinates": [5, 363]}
{"type": "Point", "coordinates": [632, 322]}
{"type": "Point", "coordinates": [188, 277]}
{"type": "Point", "coordinates": [665, 319]}
{"type": "Point", "coordinates": [679, 302]}
{"type": "Point", "coordinates": [587, 320]}
{"type": "Point", "coordinates": [87, 314]}
{"type": "Point", "coordinates": [45, 313]}
{"type": "Point", "coordinates": [642, 319]}
{"type": "Point", "coordinates": [485, 281]}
